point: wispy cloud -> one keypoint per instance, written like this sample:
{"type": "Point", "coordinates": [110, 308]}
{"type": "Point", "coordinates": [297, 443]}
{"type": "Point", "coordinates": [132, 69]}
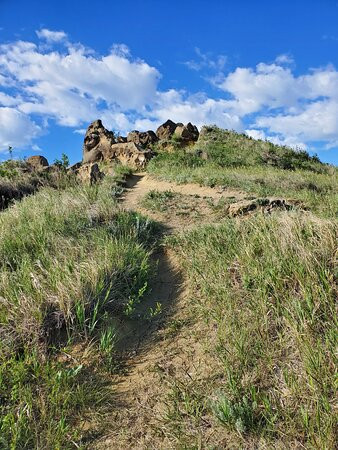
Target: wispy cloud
{"type": "Point", "coordinates": [51, 36]}
{"type": "Point", "coordinates": [206, 61]}
{"type": "Point", "coordinates": [284, 58]}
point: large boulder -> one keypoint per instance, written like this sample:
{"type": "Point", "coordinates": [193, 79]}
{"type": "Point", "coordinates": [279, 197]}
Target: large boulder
{"type": "Point", "coordinates": [166, 130]}
{"type": "Point", "coordinates": [37, 162]}
{"type": "Point", "coordinates": [97, 142]}
{"type": "Point", "coordinates": [187, 133]}
{"type": "Point", "coordinates": [143, 139]}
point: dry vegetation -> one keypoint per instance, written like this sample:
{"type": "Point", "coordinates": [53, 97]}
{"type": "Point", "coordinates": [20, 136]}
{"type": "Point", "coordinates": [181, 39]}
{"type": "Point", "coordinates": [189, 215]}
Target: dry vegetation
{"type": "Point", "coordinates": [228, 343]}
{"type": "Point", "coordinates": [69, 260]}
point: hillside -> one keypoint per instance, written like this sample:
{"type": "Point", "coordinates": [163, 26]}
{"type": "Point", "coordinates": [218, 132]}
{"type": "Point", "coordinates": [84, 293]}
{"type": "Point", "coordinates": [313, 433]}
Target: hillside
{"type": "Point", "coordinates": [173, 290]}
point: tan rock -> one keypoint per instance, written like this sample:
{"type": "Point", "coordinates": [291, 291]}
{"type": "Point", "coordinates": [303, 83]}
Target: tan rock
{"type": "Point", "coordinates": [97, 142]}
{"type": "Point", "coordinates": [37, 162]}
{"type": "Point", "coordinates": [187, 132]}
{"type": "Point", "coordinates": [143, 139]}
{"type": "Point", "coordinates": [89, 173]}
{"type": "Point", "coordinates": [130, 154]}
{"type": "Point", "coordinates": [166, 130]}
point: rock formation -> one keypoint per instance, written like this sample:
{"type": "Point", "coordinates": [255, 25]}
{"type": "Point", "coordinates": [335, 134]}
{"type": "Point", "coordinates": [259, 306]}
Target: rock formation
{"type": "Point", "coordinates": [166, 130]}
{"type": "Point", "coordinates": [143, 139]}
{"type": "Point", "coordinates": [134, 150]}
{"type": "Point", "coordinates": [37, 162]}
{"type": "Point", "coordinates": [188, 133]}
{"type": "Point", "coordinates": [97, 143]}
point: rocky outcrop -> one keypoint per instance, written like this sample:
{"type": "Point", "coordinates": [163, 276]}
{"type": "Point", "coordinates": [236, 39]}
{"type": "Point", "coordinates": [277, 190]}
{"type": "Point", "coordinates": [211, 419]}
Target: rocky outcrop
{"type": "Point", "coordinates": [37, 162]}
{"type": "Point", "coordinates": [97, 143]}
{"type": "Point", "coordinates": [187, 133]}
{"type": "Point", "coordinates": [135, 149]}
{"type": "Point", "coordinates": [130, 154]}
{"type": "Point", "coordinates": [166, 130]}
{"type": "Point", "coordinates": [143, 139]}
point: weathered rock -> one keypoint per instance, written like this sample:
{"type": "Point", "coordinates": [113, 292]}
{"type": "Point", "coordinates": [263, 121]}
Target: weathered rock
{"type": "Point", "coordinates": [89, 173]}
{"type": "Point", "coordinates": [97, 142]}
{"type": "Point", "coordinates": [143, 139]}
{"type": "Point", "coordinates": [265, 205]}
{"type": "Point", "coordinates": [166, 130]}
{"type": "Point", "coordinates": [74, 168]}
{"type": "Point", "coordinates": [121, 139]}
{"type": "Point", "coordinates": [37, 162]}
{"type": "Point", "coordinates": [188, 133]}
{"type": "Point", "coordinates": [130, 154]}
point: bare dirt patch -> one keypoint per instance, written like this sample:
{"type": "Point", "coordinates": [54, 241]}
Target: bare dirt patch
{"type": "Point", "coordinates": [191, 205]}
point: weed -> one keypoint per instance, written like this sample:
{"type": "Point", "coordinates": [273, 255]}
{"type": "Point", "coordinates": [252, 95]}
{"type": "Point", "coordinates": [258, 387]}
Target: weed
{"type": "Point", "coordinates": [158, 200]}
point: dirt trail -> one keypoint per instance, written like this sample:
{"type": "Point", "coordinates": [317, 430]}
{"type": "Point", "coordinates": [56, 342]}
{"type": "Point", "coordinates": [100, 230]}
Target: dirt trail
{"type": "Point", "coordinates": [160, 348]}
{"type": "Point", "coordinates": [140, 184]}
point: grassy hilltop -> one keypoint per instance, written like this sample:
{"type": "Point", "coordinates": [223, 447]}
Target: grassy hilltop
{"type": "Point", "coordinates": [234, 160]}
{"type": "Point", "coordinates": [243, 358]}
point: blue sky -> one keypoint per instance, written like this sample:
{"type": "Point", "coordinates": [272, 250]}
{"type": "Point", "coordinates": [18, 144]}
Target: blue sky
{"type": "Point", "coordinates": [269, 69]}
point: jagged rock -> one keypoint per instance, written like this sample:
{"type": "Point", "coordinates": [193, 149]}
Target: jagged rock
{"type": "Point", "coordinates": [37, 162]}
{"type": "Point", "coordinates": [130, 154]}
{"type": "Point", "coordinates": [166, 130]}
{"type": "Point", "coordinates": [143, 139]}
{"type": "Point", "coordinates": [97, 142]}
{"type": "Point", "coordinates": [187, 132]}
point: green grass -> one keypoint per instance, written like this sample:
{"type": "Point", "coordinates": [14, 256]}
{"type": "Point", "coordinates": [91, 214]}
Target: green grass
{"type": "Point", "coordinates": [69, 260]}
{"type": "Point", "coordinates": [267, 285]}
{"type": "Point", "coordinates": [259, 168]}
{"type": "Point", "coordinates": [228, 148]}
{"type": "Point", "coordinates": [18, 179]}
{"type": "Point", "coordinates": [158, 200]}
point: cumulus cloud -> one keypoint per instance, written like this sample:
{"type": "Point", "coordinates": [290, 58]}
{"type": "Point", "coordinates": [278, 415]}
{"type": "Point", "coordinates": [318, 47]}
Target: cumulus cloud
{"type": "Point", "coordinates": [318, 121]}
{"type": "Point", "coordinates": [294, 109]}
{"type": "Point", "coordinates": [72, 85]}
{"type": "Point", "coordinates": [17, 129]}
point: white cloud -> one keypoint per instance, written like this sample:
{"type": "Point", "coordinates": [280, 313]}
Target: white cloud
{"type": "Point", "coordinates": [289, 141]}
{"type": "Point", "coordinates": [51, 36]}
{"type": "Point", "coordinates": [318, 121]}
{"type": "Point", "coordinates": [17, 129]}
{"type": "Point", "coordinates": [77, 81]}
{"type": "Point", "coordinates": [284, 59]}
{"type": "Point", "coordinates": [206, 61]}
{"type": "Point", "coordinates": [295, 109]}
{"type": "Point", "coordinates": [74, 86]}
{"type": "Point", "coordinates": [256, 134]}
{"type": "Point", "coordinates": [81, 131]}
{"type": "Point", "coordinates": [8, 100]}
{"type": "Point", "coordinates": [197, 109]}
